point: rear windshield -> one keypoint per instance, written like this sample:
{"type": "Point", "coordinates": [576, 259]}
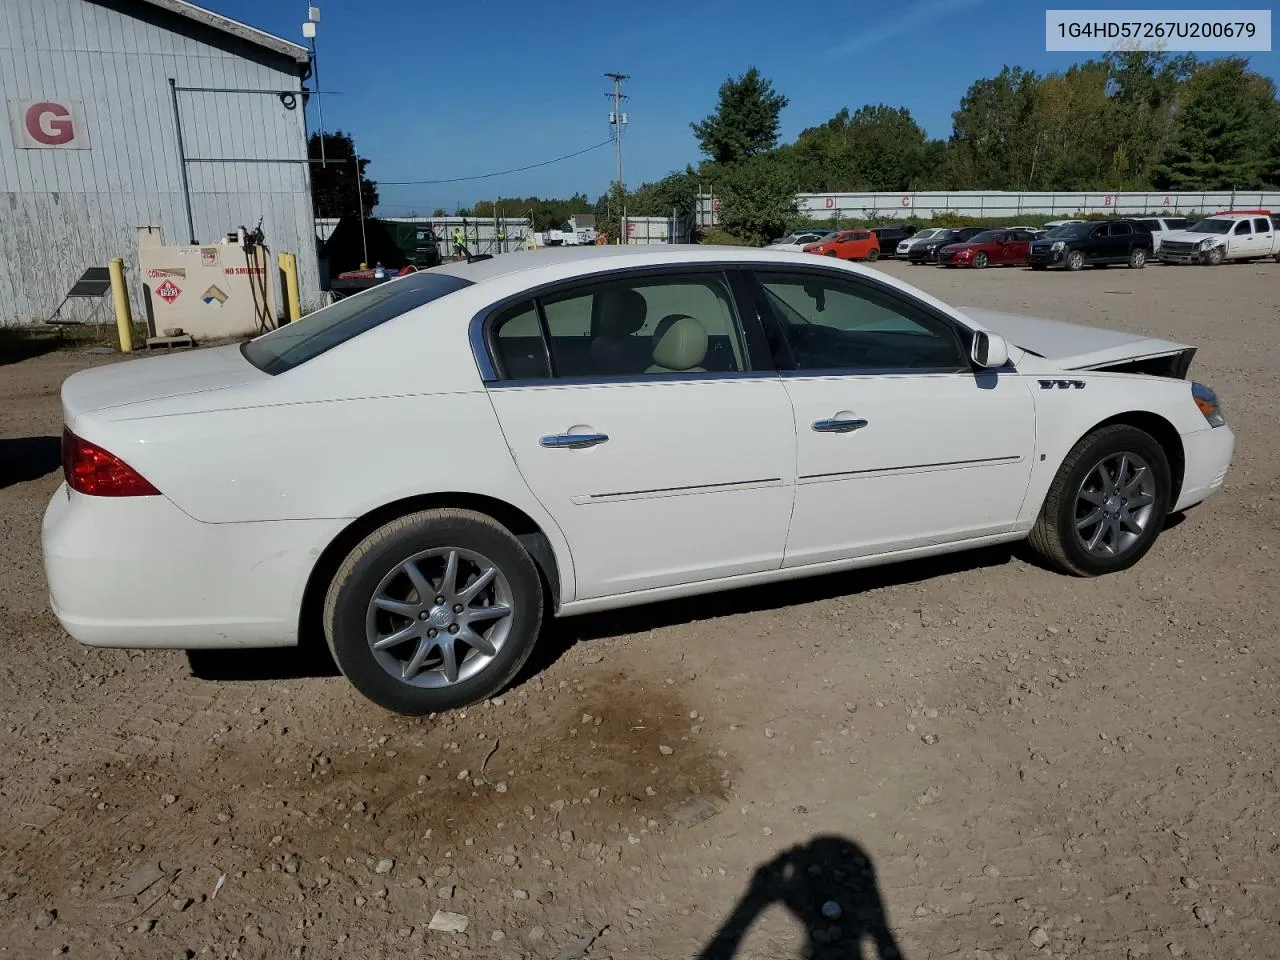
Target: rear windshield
{"type": "Point", "coordinates": [296, 343]}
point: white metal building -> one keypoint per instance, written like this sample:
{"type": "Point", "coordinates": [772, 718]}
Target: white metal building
{"type": "Point", "coordinates": [95, 93]}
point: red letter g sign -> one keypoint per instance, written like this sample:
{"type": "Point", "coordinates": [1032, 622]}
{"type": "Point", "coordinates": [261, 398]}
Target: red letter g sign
{"type": "Point", "coordinates": [50, 123]}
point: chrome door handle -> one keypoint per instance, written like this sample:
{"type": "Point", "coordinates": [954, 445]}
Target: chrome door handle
{"type": "Point", "coordinates": [573, 441]}
{"type": "Point", "coordinates": [838, 426]}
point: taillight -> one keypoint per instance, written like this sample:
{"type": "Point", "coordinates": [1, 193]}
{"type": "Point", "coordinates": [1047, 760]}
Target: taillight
{"type": "Point", "coordinates": [91, 470]}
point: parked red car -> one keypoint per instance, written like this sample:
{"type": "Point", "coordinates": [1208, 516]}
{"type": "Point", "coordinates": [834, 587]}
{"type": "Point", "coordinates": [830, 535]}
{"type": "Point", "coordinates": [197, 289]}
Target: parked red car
{"type": "Point", "coordinates": [989, 247]}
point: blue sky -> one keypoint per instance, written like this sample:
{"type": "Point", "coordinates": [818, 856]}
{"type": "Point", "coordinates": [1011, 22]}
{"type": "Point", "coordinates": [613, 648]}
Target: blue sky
{"type": "Point", "coordinates": [447, 89]}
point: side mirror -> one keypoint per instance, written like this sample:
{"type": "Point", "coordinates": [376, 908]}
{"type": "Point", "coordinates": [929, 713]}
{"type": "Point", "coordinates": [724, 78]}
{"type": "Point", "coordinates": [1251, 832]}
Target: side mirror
{"type": "Point", "coordinates": [990, 351]}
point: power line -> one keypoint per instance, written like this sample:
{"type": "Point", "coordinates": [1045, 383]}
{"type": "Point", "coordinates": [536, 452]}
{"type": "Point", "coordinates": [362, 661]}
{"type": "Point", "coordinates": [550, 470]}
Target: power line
{"type": "Point", "coordinates": [498, 173]}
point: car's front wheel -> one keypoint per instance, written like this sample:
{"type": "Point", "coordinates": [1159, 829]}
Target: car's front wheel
{"type": "Point", "coordinates": [1215, 257]}
{"type": "Point", "coordinates": [434, 611]}
{"type": "Point", "coordinates": [979, 261]}
{"type": "Point", "coordinates": [1107, 504]}
{"type": "Point", "coordinates": [1075, 260]}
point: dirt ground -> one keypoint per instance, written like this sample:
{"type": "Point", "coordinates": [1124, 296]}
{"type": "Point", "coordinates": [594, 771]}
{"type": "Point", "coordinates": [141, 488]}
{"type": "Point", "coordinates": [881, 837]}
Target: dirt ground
{"type": "Point", "coordinates": [973, 758]}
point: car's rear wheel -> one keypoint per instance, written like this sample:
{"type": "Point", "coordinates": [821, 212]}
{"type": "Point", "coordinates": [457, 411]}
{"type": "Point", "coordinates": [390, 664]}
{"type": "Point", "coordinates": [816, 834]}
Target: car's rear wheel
{"type": "Point", "coordinates": [979, 261]}
{"type": "Point", "coordinates": [1137, 258]}
{"type": "Point", "coordinates": [1075, 260]}
{"type": "Point", "coordinates": [434, 611]}
{"type": "Point", "coordinates": [873, 255]}
{"type": "Point", "coordinates": [1107, 504]}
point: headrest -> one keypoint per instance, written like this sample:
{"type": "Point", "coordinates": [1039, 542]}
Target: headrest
{"type": "Point", "coordinates": [682, 346]}
{"type": "Point", "coordinates": [618, 312]}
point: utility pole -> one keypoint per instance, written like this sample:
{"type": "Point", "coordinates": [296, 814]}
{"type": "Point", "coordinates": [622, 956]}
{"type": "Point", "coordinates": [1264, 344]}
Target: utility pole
{"type": "Point", "coordinates": [617, 120]}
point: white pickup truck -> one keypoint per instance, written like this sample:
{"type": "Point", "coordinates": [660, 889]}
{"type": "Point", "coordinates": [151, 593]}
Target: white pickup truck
{"type": "Point", "coordinates": [1230, 235]}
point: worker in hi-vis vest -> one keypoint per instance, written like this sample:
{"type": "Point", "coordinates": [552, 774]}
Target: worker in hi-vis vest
{"type": "Point", "coordinates": [459, 243]}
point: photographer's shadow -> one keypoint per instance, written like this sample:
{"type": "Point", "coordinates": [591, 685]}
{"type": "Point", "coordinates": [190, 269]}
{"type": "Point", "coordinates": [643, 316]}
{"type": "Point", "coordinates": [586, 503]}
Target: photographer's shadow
{"type": "Point", "coordinates": [807, 880]}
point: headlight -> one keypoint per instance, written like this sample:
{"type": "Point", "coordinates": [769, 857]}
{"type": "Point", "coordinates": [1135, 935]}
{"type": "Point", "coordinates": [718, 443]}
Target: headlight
{"type": "Point", "coordinates": [1058, 245]}
{"type": "Point", "coordinates": [1208, 403]}
{"type": "Point", "coordinates": [1206, 243]}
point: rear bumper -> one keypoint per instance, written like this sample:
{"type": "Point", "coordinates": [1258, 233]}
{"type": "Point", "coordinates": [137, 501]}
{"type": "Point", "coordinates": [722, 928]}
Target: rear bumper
{"type": "Point", "coordinates": [138, 572]}
{"type": "Point", "coordinates": [1208, 455]}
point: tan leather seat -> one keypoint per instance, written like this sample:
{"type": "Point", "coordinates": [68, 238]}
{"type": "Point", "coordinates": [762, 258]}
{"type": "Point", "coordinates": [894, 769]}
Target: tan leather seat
{"type": "Point", "coordinates": [679, 346]}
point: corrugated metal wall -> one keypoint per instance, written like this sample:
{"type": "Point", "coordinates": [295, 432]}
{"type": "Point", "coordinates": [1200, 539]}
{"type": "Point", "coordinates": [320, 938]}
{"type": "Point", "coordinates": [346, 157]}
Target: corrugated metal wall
{"type": "Point", "coordinates": [64, 210]}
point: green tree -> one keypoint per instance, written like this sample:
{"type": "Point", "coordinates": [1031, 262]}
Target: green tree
{"type": "Point", "coordinates": [1226, 131]}
{"type": "Point", "coordinates": [746, 120]}
{"type": "Point", "coordinates": [333, 183]}
{"type": "Point", "coordinates": [993, 137]}
{"type": "Point", "coordinates": [676, 191]}
{"type": "Point", "coordinates": [758, 198]}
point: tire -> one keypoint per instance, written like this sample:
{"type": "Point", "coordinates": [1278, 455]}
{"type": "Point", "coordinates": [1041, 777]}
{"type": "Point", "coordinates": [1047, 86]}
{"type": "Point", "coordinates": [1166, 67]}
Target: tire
{"type": "Point", "coordinates": [1058, 535]}
{"type": "Point", "coordinates": [1137, 258]}
{"type": "Point", "coordinates": [1215, 257]}
{"type": "Point", "coordinates": [378, 566]}
{"type": "Point", "coordinates": [1075, 260]}
{"type": "Point", "coordinates": [830, 253]}
{"type": "Point", "coordinates": [979, 261]}
{"type": "Point", "coordinates": [1276, 258]}
{"type": "Point", "coordinates": [1039, 266]}
{"type": "Point", "coordinates": [873, 255]}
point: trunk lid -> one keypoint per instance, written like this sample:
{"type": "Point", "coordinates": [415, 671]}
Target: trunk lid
{"type": "Point", "coordinates": [1074, 346]}
{"type": "Point", "coordinates": [157, 378]}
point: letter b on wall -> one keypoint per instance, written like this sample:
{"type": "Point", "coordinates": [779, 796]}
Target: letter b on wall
{"type": "Point", "coordinates": [48, 124]}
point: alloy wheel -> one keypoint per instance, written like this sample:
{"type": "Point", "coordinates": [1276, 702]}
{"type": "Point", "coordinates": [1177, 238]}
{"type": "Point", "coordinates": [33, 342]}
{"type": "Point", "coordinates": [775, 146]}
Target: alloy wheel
{"type": "Point", "coordinates": [439, 617]}
{"type": "Point", "coordinates": [1115, 504]}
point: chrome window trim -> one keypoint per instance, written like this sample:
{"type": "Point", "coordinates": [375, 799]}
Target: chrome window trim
{"type": "Point", "coordinates": [634, 378]}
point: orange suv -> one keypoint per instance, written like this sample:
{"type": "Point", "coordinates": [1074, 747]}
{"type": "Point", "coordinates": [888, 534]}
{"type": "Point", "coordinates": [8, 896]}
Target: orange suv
{"type": "Point", "coordinates": [847, 245]}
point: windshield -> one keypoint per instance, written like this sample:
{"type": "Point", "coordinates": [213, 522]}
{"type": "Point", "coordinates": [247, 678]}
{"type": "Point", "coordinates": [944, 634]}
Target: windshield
{"type": "Point", "coordinates": [987, 236]}
{"type": "Point", "coordinates": [945, 235]}
{"type": "Point", "coordinates": [1070, 231]}
{"type": "Point", "coordinates": [296, 343]}
{"type": "Point", "coordinates": [1210, 225]}
{"type": "Point", "coordinates": [926, 234]}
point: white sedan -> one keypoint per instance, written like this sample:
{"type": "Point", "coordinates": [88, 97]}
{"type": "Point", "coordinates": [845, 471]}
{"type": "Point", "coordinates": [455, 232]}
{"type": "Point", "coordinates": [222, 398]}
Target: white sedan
{"type": "Point", "coordinates": [424, 472]}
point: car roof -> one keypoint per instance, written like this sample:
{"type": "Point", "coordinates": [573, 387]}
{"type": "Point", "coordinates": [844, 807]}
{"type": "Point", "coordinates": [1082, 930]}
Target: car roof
{"type": "Point", "coordinates": [593, 257]}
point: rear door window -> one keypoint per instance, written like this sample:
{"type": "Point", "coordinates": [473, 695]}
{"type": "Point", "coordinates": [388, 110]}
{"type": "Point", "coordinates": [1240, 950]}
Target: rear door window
{"type": "Point", "coordinates": [1261, 225]}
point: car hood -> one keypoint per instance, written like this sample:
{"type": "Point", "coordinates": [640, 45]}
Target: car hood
{"type": "Point", "coordinates": [1073, 346]}
{"type": "Point", "coordinates": [1186, 236]}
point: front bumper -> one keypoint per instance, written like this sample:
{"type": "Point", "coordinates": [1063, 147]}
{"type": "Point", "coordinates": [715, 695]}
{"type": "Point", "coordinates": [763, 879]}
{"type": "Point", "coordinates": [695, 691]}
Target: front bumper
{"type": "Point", "coordinates": [1181, 256]}
{"type": "Point", "coordinates": [1207, 454]}
{"type": "Point", "coordinates": [138, 572]}
{"type": "Point", "coordinates": [1046, 258]}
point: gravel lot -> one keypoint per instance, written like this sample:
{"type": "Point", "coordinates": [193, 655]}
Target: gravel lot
{"type": "Point", "coordinates": [971, 758]}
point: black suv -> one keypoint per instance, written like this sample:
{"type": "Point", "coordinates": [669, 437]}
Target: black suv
{"type": "Point", "coordinates": [890, 237]}
{"type": "Point", "coordinates": [1097, 242]}
{"type": "Point", "coordinates": [927, 252]}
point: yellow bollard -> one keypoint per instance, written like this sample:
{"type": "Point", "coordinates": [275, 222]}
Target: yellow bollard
{"type": "Point", "coordinates": [292, 296]}
{"type": "Point", "coordinates": [124, 319]}
{"type": "Point", "coordinates": [283, 272]}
